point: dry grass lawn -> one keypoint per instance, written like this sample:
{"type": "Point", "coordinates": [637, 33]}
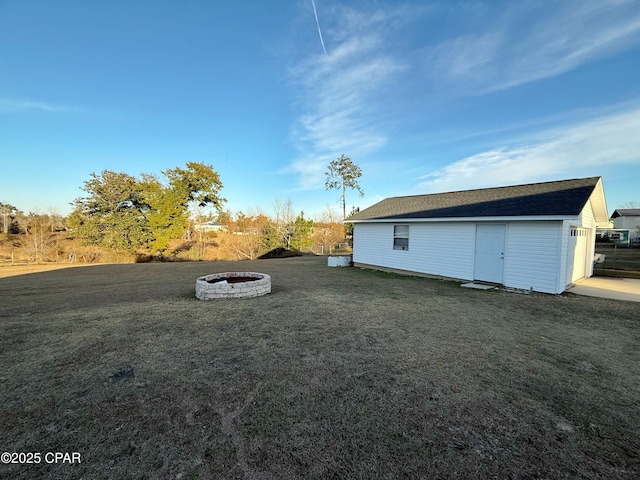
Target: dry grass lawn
{"type": "Point", "coordinates": [339, 373]}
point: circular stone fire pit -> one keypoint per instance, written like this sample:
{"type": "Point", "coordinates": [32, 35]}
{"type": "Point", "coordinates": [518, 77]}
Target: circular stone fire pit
{"type": "Point", "coordinates": [233, 285]}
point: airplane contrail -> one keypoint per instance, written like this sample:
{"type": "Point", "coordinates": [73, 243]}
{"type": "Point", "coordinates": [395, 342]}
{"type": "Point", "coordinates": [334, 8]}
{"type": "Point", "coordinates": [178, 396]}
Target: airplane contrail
{"type": "Point", "coordinates": [318, 24]}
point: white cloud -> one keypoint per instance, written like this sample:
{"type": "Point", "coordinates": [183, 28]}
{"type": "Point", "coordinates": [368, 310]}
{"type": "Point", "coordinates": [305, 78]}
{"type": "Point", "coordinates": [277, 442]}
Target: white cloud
{"type": "Point", "coordinates": [341, 93]}
{"type": "Point", "coordinates": [10, 105]}
{"type": "Point", "coordinates": [524, 43]}
{"type": "Point", "coordinates": [370, 77]}
{"type": "Point", "coordinates": [311, 172]}
{"type": "Point", "coordinates": [573, 151]}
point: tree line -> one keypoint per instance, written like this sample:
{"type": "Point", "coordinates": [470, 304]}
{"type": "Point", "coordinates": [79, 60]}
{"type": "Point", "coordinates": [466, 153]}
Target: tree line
{"type": "Point", "coordinates": [125, 213]}
{"type": "Point", "coordinates": [129, 214]}
{"type": "Point", "coordinates": [252, 234]}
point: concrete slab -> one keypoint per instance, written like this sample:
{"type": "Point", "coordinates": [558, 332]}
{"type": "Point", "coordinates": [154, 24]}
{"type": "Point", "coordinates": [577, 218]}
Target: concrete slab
{"type": "Point", "coordinates": [608, 287]}
{"type": "Point", "coordinates": [478, 286]}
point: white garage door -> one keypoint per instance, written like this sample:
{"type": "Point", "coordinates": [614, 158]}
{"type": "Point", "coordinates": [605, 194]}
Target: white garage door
{"type": "Point", "coordinates": [577, 254]}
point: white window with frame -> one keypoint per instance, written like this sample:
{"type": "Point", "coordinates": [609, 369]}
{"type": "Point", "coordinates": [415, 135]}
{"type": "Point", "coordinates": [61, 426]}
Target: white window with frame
{"type": "Point", "coordinates": [401, 237]}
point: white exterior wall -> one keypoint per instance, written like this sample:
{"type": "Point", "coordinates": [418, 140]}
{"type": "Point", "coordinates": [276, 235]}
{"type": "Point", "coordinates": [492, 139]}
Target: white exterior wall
{"type": "Point", "coordinates": [627, 222]}
{"type": "Point", "coordinates": [564, 257]}
{"type": "Point", "coordinates": [531, 261]}
{"type": "Point", "coordinates": [445, 249]}
{"type": "Point", "coordinates": [631, 223]}
{"type": "Point", "coordinates": [532, 256]}
{"type": "Point", "coordinates": [588, 221]}
{"type": "Point", "coordinates": [536, 252]}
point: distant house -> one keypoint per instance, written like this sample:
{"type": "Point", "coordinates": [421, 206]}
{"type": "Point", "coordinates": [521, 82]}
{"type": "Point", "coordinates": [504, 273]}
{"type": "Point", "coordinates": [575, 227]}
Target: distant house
{"type": "Point", "coordinates": [537, 237]}
{"type": "Point", "coordinates": [628, 218]}
{"type": "Point", "coordinates": [618, 236]}
{"type": "Point", "coordinates": [211, 226]}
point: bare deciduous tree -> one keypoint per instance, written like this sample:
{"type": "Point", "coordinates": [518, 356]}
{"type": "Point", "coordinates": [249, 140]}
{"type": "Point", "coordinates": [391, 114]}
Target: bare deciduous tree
{"type": "Point", "coordinates": [329, 229]}
{"type": "Point", "coordinates": [283, 221]}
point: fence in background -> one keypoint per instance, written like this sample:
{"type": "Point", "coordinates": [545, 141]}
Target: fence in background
{"type": "Point", "coordinates": [619, 260]}
{"type": "Point", "coordinates": [333, 249]}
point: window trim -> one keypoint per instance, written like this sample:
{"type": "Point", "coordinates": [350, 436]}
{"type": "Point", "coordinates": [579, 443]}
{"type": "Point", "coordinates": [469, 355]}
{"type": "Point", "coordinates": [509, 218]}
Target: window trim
{"type": "Point", "coordinates": [401, 235]}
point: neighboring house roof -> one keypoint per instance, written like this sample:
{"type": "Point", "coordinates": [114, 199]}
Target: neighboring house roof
{"type": "Point", "coordinates": [560, 198]}
{"type": "Point", "coordinates": [626, 212]}
{"type": "Point", "coordinates": [210, 225]}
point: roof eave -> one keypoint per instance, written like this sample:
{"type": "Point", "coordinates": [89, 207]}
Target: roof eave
{"type": "Point", "coordinates": [518, 218]}
{"type": "Point", "coordinates": [599, 205]}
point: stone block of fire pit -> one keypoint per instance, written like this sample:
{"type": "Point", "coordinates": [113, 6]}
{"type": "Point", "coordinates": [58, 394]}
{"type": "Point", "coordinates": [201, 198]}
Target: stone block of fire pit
{"type": "Point", "coordinates": [232, 285]}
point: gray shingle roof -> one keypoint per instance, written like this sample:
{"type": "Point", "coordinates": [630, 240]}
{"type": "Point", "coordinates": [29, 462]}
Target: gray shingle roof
{"type": "Point", "coordinates": [621, 212]}
{"type": "Point", "coordinates": [563, 198]}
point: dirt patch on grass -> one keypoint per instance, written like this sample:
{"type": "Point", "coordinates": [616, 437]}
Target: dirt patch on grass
{"type": "Point", "coordinates": [339, 373]}
{"type": "Point", "coordinates": [280, 252]}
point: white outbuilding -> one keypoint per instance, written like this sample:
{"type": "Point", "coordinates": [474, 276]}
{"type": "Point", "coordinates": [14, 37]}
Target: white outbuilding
{"type": "Point", "coordinates": [538, 236]}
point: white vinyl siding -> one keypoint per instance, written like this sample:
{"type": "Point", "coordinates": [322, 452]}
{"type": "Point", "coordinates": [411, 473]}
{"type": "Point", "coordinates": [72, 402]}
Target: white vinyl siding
{"type": "Point", "coordinates": [630, 222]}
{"type": "Point", "coordinates": [539, 255]}
{"type": "Point", "coordinates": [532, 256]}
{"type": "Point", "coordinates": [583, 261]}
{"type": "Point", "coordinates": [444, 249]}
{"type": "Point", "coordinates": [587, 219]}
{"type": "Point", "coordinates": [589, 222]}
{"type": "Point", "coordinates": [577, 254]}
{"type": "Point", "coordinates": [532, 251]}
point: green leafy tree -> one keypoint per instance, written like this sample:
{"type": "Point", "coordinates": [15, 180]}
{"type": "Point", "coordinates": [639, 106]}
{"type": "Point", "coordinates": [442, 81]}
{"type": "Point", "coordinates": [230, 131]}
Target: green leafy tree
{"type": "Point", "coordinates": [112, 215]}
{"type": "Point", "coordinates": [9, 214]}
{"type": "Point", "coordinates": [348, 227]}
{"type": "Point", "coordinates": [198, 183]}
{"type": "Point", "coordinates": [166, 216]}
{"type": "Point", "coordinates": [343, 174]}
{"type": "Point", "coordinates": [125, 213]}
{"type": "Point", "coordinates": [302, 232]}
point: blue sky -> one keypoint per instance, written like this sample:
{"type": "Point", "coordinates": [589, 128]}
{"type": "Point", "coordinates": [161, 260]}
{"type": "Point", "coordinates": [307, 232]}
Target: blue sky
{"type": "Point", "coordinates": [424, 96]}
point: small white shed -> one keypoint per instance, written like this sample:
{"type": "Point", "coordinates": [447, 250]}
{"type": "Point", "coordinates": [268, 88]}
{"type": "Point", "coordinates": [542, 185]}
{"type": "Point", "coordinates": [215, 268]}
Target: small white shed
{"type": "Point", "coordinates": [537, 237]}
